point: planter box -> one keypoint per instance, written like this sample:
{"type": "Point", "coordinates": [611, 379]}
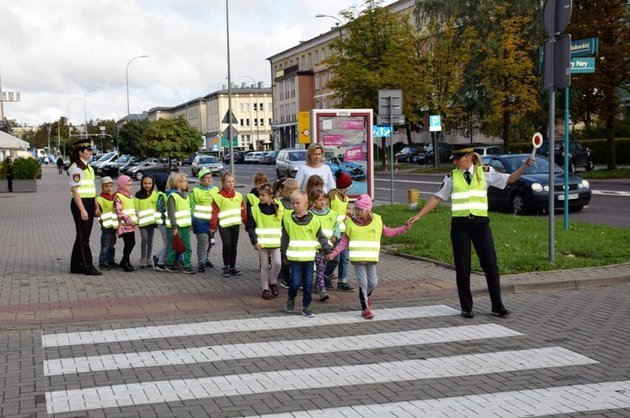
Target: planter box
{"type": "Point", "coordinates": [4, 186]}
{"type": "Point", "coordinates": [22, 186]}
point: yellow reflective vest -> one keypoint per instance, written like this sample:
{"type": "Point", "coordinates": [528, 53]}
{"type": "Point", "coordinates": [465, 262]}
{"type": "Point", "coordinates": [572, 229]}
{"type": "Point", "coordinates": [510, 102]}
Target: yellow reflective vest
{"type": "Point", "coordinates": [268, 227]}
{"type": "Point", "coordinates": [146, 210]}
{"type": "Point", "coordinates": [327, 222]}
{"type": "Point", "coordinates": [364, 242]}
{"type": "Point", "coordinates": [159, 216]}
{"type": "Point", "coordinates": [202, 209]}
{"type": "Point", "coordinates": [87, 186]}
{"type": "Point", "coordinates": [341, 208]}
{"type": "Point", "coordinates": [302, 238]}
{"type": "Point", "coordinates": [129, 209]}
{"type": "Point", "coordinates": [109, 220]}
{"type": "Point", "coordinates": [469, 199]}
{"type": "Point", "coordinates": [229, 209]}
{"type": "Point", "coordinates": [182, 211]}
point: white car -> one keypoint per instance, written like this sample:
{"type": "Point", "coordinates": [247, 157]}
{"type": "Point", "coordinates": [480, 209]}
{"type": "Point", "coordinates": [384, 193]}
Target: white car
{"type": "Point", "coordinates": [254, 157]}
{"type": "Point", "coordinates": [209, 162]}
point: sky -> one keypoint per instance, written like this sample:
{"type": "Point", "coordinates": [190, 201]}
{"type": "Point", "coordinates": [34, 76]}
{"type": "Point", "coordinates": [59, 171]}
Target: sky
{"type": "Point", "coordinates": [55, 51]}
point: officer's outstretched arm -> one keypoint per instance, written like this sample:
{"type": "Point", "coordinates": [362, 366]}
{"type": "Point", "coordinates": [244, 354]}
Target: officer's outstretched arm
{"type": "Point", "coordinates": [431, 204]}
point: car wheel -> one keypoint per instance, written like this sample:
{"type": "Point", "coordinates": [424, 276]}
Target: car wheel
{"type": "Point", "coordinates": [518, 204]}
{"type": "Point", "coordinates": [590, 165]}
{"type": "Point", "coordinates": [139, 175]}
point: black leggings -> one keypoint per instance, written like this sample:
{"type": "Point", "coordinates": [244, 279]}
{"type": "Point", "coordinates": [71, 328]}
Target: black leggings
{"type": "Point", "coordinates": [229, 238]}
{"type": "Point", "coordinates": [129, 238]}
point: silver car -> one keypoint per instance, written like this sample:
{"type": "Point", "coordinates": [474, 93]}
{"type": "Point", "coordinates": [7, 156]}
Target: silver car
{"type": "Point", "coordinates": [289, 161]}
{"type": "Point", "coordinates": [209, 162]}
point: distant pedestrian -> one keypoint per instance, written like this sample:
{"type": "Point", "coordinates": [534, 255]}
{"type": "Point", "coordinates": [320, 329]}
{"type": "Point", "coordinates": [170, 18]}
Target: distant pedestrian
{"type": "Point", "coordinates": [83, 207]}
{"type": "Point", "coordinates": [467, 185]}
{"type": "Point", "coordinates": [125, 207]}
{"type": "Point", "coordinates": [146, 205]}
{"type": "Point", "coordinates": [109, 224]}
{"type": "Point", "coordinates": [60, 164]}
{"type": "Point", "coordinates": [363, 239]}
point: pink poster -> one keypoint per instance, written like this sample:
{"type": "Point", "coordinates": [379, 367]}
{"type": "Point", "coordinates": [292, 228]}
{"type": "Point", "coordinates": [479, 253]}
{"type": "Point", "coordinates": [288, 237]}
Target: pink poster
{"type": "Point", "coordinates": [352, 124]}
{"type": "Point", "coordinates": [337, 140]}
{"type": "Point", "coordinates": [354, 154]}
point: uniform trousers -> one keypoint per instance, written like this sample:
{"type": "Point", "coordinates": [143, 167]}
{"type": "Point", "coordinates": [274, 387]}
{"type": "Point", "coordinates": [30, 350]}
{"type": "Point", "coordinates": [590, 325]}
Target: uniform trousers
{"type": "Point", "coordinates": [465, 230]}
{"type": "Point", "coordinates": [81, 259]}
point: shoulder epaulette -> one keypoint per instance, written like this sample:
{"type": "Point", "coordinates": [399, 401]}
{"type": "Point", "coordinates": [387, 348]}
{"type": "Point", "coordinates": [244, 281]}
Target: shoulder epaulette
{"type": "Point", "coordinates": [486, 168]}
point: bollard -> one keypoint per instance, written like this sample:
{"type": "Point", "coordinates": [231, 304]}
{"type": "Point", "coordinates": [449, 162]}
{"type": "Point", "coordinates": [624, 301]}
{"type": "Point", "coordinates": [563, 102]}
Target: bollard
{"type": "Point", "coordinates": [413, 197]}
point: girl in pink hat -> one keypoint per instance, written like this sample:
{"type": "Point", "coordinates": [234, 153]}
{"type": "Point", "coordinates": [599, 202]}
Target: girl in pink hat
{"type": "Point", "coordinates": [127, 219]}
{"type": "Point", "coordinates": [363, 239]}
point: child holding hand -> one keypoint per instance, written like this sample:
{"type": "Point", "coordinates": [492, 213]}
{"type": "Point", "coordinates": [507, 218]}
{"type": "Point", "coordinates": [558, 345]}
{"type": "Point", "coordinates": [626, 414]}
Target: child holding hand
{"type": "Point", "coordinates": [328, 220]}
{"type": "Point", "coordinates": [127, 219]}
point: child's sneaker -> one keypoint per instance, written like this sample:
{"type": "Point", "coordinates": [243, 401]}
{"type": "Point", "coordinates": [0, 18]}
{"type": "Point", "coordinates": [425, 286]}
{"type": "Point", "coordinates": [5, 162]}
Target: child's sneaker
{"type": "Point", "coordinates": [103, 266]}
{"type": "Point", "coordinates": [369, 303]}
{"type": "Point", "coordinates": [201, 268]}
{"type": "Point", "coordinates": [155, 261]}
{"type": "Point", "coordinates": [266, 294]}
{"type": "Point", "coordinates": [306, 312]}
{"type": "Point", "coordinates": [143, 262]}
{"type": "Point", "coordinates": [284, 284]}
{"type": "Point", "coordinates": [274, 289]}
{"type": "Point", "coordinates": [323, 296]}
{"type": "Point", "coordinates": [160, 267]}
{"type": "Point", "coordinates": [235, 272]}
{"type": "Point", "coordinates": [345, 287]}
{"type": "Point", "coordinates": [209, 264]}
{"type": "Point", "coordinates": [226, 272]}
{"type": "Point", "coordinates": [112, 264]}
{"type": "Point", "coordinates": [367, 314]}
{"type": "Point", "coordinates": [290, 304]}
{"type": "Point", "coordinates": [170, 269]}
{"type": "Point", "coordinates": [188, 270]}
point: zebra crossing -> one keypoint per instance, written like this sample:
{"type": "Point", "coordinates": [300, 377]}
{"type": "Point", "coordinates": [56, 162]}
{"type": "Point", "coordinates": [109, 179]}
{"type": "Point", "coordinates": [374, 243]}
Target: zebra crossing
{"type": "Point", "coordinates": [272, 356]}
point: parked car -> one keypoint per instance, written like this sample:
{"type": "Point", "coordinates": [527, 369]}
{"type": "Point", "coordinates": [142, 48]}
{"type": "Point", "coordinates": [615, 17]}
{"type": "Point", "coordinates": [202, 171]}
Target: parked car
{"type": "Point", "coordinates": [105, 158]}
{"type": "Point", "coordinates": [353, 169]}
{"type": "Point", "coordinates": [406, 154]}
{"type": "Point", "coordinates": [253, 157]}
{"type": "Point", "coordinates": [111, 168]}
{"type": "Point", "coordinates": [125, 169]}
{"type": "Point", "coordinates": [579, 155]}
{"type": "Point", "coordinates": [530, 193]}
{"type": "Point", "coordinates": [445, 154]}
{"type": "Point", "coordinates": [289, 161]}
{"type": "Point", "coordinates": [152, 166]}
{"type": "Point", "coordinates": [269, 157]}
{"type": "Point", "coordinates": [484, 150]}
{"type": "Point", "coordinates": [209, 162]}
{"type": "Point", "coordinates": [189, 160]}
{"type": "Point", "coordinates": [239, 157]}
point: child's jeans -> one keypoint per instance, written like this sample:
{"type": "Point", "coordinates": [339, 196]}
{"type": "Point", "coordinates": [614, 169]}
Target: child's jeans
{"type": "Point", "coordinates": [108, 246]}
{"type": "Point", "coordinates": [342, 261]}
{"type": "Point", "coordinates": [301, 275]}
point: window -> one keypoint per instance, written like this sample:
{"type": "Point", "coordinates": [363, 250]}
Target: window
{"type": "Point", "coordinates": [262, 122]}
{"type": "Point", "coordinates": [269, 107]}
{"type": "Point", "coordinates": [242, 107]}
{"type": "Point", "coordinates": [242, 124]}
{"type": "Point", "coordinates": [255, 106]}
{"type": "Point", "coordinates": [260, 106]}
{"type": "Point", "coordinates": [269, 121]}
{"type": "Point", "coordinates": [247, 122]}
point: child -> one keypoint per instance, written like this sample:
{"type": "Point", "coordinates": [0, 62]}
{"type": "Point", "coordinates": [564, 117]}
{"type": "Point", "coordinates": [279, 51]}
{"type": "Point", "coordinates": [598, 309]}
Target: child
{"type": "Point", "coordinates": [109, 224]}
{"type": "Point", "coordinates": [127, 219]}
{"type": "Point", "coordinates": [285, 188]}
{"type": "Point", "coordinates": [228, 211]}
{"type": "Point", "coordinates": [314, 182]}
{"type": "Point", "coordinates": [146, 204]}
{"type": "Point", "coordinates": [339, 203]}
{"type": "Point", "coordinates": [264, 226]}
{"type": "Point", "coordinates": [159, 260]}
{"type": "Point", "coordinates": [252, 197]}
{"type": "Point", "coordinates": [363, 238]}
{"type": "Point", "coordinates": [328, 221]}
{"type": "Point", "coordinates": [201, 200]}
{"type": "Point", "coordinates": [179, 220]}
{"type": "Point", "coordinates": [303, 231]}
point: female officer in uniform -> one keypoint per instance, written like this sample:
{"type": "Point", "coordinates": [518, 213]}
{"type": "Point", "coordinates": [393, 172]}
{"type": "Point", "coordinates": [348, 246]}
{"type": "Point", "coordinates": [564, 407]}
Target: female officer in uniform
{"type": "Point", "coordinates": [467, 187]}
{"type": "Point", "coordinates": [83, 191]}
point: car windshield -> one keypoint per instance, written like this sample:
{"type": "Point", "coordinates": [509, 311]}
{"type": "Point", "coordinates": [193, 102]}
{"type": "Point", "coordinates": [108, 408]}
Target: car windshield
{"type": "Point", "coordinates": [540, 166]}
{"type": "Point", "coordinates": [107, 156]}
{"type": "Point", "coordinates": [297, 156]}
{"type": "Point", "coordinates": [125, 158]}
{"type": "Point", "coordinates": [208, 160]}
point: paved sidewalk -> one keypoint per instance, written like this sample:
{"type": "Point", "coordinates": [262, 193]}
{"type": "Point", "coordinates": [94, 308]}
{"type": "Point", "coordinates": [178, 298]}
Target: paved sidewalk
{"type": "Point", "coordinates": [37, 288]}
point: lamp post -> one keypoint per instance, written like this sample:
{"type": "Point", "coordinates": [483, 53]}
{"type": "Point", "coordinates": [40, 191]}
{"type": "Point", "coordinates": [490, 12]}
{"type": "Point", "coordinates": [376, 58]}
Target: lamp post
{"type": "Point", "coordinates": [85, 110]}
{"type": "Point", "coordinates": [338, 25]}
{"type": "Point", "coordinates": [256, 110]}
{"type": "Point", "coordinates": [127, 78]}
{"type": "Point", "coordinates": [69, 125]}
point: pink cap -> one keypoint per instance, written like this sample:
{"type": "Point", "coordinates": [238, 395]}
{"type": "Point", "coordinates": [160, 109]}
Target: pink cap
{"type": "Point", "coordinates": [363, 202]}
{"type": "Point", "coordinates": [122, 181]}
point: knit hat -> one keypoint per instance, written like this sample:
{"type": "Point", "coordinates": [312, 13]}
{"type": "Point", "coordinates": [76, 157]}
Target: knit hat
{"type": "Point", "coordinates": [363, 202]}
{"type": "Point", "coordinates": [343, 180]}
{"type": "Point", "coordinates": [106, 180]}
{"type": "Point", "coordinates": [122, 181]}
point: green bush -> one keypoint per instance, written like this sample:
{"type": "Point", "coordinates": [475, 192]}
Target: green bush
{"type": "Point", "coordinates": [26, 169]}
{"type": "Point", "coordinates": [5, 169]}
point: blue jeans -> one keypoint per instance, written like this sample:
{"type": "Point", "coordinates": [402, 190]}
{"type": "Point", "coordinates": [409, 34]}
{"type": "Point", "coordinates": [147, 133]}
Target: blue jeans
{"type": "Point", "coordinates": [108, 243]}
{"type": "Point", "coordinates": [301, 274]}
{"type": "Point", "coordinates": [342, 261]}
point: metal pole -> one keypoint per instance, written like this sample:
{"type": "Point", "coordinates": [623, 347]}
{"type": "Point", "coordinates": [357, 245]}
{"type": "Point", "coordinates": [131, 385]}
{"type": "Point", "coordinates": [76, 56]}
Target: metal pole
{"type": "Point", "coordinates": [85, 110]}
{"type": "Point", "coordinates": [49, 129]}
{"type": "Point", "coordinates": [552, 193]}
{"type": "Point", "coordinates": [391, 152]}
{"type": "Point", "coordinates": [127, 79]}
{"type": "Point", "coordinates": [229, 77]}
{"type": "Point", "coordinates": [69, 125]}
{"type": "Point", "coordinates": [566, 159]}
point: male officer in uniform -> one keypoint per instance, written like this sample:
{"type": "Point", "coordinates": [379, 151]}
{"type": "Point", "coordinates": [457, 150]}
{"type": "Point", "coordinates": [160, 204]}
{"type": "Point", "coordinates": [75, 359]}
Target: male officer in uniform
{"type": "Point", "coordinates": [467, 187]}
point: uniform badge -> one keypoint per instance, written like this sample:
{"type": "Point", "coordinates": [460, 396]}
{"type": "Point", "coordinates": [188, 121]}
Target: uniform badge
{"type": "Point", "coordinates": [76, 177]}
{"type": "Point", "coordinates": [486, 168]}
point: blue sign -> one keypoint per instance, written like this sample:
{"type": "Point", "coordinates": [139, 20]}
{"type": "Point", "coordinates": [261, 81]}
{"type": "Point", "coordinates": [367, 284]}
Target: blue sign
{"type": "Point", "coordinates": [584, 47]}
{"type": "Point", "coordinates": [435, 123]}
{"type": "Point", "coordinates": [583, 65]}
{"type": "Point", "coordinates": [381, 131]}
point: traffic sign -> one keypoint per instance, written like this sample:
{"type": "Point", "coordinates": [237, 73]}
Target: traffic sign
{"type": "Point", "coordinates": [584, 47]}
{"type": "Point", "coordinates": [582, 65]}
{"type": "Point", "coordinates": [229, 116]}
{"type": "Point", "coordinates": [381, 131]}
{"type": "Point", "coordinates": [556, 16]}
{"type": "Point", "coordinates": [537, 141]}
{"type": "Point", "coordinates": [435, 123]}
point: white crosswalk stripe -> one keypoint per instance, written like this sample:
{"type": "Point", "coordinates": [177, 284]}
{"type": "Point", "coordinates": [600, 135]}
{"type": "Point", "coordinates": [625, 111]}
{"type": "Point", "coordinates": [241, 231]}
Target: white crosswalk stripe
{"type": "Point", "coordinates": [162, 387]}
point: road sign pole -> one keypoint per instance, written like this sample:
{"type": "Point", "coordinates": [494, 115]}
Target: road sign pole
{"type": "Point", "coordinates": [566, 159]}
{"type": "Point", "coordinates": [391, 152]}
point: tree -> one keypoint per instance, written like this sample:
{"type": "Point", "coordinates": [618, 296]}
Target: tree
{"type": "Point", "coordinates": [130, 137]}
{"type": "Point", "coordinates": [598, 94]}
{"type": "Point", "coordinates": [172, 138]}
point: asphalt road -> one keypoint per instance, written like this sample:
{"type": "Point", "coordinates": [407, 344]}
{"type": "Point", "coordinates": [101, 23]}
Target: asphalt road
{"type": "Point", "coordinates": [609, 203]}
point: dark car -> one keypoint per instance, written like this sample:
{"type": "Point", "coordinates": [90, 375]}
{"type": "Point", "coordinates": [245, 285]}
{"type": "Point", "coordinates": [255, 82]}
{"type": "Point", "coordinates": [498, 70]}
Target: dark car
{"type": "Point", "coordinates": [152, 166]}
{"type": "Point", "coordinates": [428, 156]}
{"type": "Point", "coordinates": [353, 169]}
{"type": "Point", "coordinates": [269, 158]}
{"type": "Point", "coordinates": [406, 154]}
{"type": "Point", "coordinates": [111, 168]}
{"type": "Point", "coordinates": [579, 155]}
{"type": "Point", "coordinates": [530, 193]}
{"type": "Point", "coordinates": [239, 157]}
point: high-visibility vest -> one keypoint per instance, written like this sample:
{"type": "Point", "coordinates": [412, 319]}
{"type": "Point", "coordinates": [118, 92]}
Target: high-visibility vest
{"type": "Point", "coordinates": [182, 211]}
{"type": "Point", "coordinates": [229, 209]}
{"type": "Point", "coordinates": [109, 220]}
{"type": "Point", "coordinates": [469, 199]}
{"type": "Point", "coordinates": [159, 216]}
{"type": "Point", "coordinates": [364, 242]}
{"type": "Point", "coordinates": [87, 186]}
{"type": "Point", "coordinates": [252, 199]}
{"type": "Point", "coordinates": [341, 208]}
{"type": "Point", "coordinates": [302, 239]}
{"type": "Point", "coordinates": [327, 222]}
{"type": "Point", "coordinates": [268, 227]}
{"type": "Point", "coordinates": [203, 203]}
{"type": "Point", "coordinates": [129, 209]}
{"type": "Point", "coordinates": [146, 210]}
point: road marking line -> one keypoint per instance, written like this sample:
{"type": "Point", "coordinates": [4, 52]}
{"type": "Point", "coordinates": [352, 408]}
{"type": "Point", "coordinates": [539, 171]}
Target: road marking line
{"type": "Point", "coordinates": [158, 358]}
{"type": "Point", "coordinates": [303, 379]}
{"type": "Point", "coordinates": [238, 325]}
{"type": "Point", "coordinates": [523, 403]}
{"type": "Point", "coordinates": [610, 193]}
{"type": "Point", "coordinates": [409, 181]}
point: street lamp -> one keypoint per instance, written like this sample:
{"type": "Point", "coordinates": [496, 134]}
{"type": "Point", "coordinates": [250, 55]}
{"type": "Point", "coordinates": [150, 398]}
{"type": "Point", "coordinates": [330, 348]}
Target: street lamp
{"type": "Point", "coordinates": [127, 78]}
{"type": "Point", "coordinates": [69, 125]}
{"type": "Point", "coordinates": [338, 25]}
{"type": "Point", "coordinates": [256, 109]}
{"type": "Point", "coordinates": [85, 110]}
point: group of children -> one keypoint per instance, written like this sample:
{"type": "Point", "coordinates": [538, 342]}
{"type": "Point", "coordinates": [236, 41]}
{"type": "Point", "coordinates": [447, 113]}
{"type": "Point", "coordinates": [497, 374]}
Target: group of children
{"type": "Point", "coordinates": [301, 236]}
